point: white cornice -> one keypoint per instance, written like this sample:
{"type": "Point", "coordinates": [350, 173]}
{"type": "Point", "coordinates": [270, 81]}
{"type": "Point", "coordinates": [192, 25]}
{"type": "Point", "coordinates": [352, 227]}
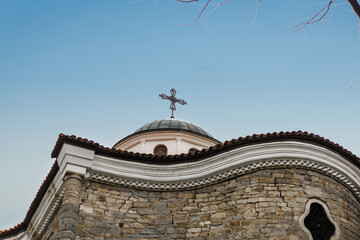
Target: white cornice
{"type": "Point", "coordinates": [235, 162]}
{"type": "Point", "coordinates": [74, 159]}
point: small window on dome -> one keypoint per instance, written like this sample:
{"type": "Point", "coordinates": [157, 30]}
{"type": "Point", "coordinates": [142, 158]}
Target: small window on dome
{"type": "Point", "coordinates": [160, 150]}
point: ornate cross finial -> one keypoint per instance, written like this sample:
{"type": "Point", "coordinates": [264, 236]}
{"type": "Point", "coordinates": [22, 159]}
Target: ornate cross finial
{"type": "Point", "coordinates": [173, 100]}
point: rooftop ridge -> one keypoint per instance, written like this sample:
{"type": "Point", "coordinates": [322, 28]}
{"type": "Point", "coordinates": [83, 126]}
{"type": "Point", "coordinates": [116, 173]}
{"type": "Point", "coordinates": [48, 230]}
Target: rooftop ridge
{"type": "Point", "coordinates": [227, 145]}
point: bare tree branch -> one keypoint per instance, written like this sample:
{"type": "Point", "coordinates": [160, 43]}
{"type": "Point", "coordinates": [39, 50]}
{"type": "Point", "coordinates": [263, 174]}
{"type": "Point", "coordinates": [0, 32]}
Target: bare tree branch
{"type": "Point", "coordinates": [315, 18]}
{"type": "Point", "coordinates": [356, 6]}
{"type": "Point", "coordinates": [204, 8]}
{"type": "Point", "coordinates": [192, 1]}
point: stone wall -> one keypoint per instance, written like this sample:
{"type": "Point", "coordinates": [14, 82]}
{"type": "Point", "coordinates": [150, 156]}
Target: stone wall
{"type": "Point", "coordinates": [262, 205]}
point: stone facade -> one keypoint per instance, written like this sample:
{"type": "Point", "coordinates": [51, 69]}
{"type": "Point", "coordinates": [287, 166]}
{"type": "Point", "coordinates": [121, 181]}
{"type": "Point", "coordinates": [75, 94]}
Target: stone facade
{"type": "Point", "coordinates": [265, 204]}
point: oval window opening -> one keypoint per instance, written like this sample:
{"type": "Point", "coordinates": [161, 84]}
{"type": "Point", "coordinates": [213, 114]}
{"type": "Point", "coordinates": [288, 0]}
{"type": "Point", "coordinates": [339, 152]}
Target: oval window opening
{"type": "Point", "coordinates": [317, 222]}
{"type": "Point", "coordinates": [160, 150]}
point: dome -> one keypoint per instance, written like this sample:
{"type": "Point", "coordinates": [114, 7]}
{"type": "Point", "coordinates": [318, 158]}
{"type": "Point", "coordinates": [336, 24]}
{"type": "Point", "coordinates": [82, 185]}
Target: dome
{"type": "Point", "coordinates": [173, 126]}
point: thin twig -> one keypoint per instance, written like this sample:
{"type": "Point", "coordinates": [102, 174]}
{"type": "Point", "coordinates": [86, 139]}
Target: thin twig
{"type": "Point", "coordinates": [255, 15]}
{"type": "Point", "coordinates": [352, 86]}
{"type": "Point", "coordinates": [217, 5]}
{"type": "Point", "coordinates": [254, 6]}
{"type": "Point", "coordinates": [198, 17]}
{"type": "Point", "coordinates": [207, 26]}
{"type": "Point", "coordinates": [313, 19]}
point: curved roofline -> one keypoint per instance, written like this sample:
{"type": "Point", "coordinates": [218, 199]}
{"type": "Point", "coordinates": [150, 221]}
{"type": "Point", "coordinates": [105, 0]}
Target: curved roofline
{"type": "Point", "coordinates": [166, 130]}
{"type": "Point", "coordinates": [213, 150]}
{"type": "Point", "coordinates": [174, 159]}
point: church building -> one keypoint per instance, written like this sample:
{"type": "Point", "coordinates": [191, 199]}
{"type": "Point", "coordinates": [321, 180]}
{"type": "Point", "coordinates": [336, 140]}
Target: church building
{"type": "Point", "coordinates": [171, 179]}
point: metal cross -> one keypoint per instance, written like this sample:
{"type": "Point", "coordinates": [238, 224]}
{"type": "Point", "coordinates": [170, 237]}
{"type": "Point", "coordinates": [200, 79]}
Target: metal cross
{"type": "Point", "coordinates": [173, 100]}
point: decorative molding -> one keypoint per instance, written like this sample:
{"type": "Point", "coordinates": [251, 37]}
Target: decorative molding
{"type": "Point", "coordinates": [21, 236]}
{"type": "Point", "coordinates": [47, 208]}
{"type": "Point", "coordinates": [228, 164]}
{"type": "Point", "coordinates": [307, 210]}
{"type": "Point", "coordinates": [53, 209]}
{"type": "Point", "coordinates": [225, 175]}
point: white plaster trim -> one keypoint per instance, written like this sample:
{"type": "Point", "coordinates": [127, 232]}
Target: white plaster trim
{"type": "Point", "coordinates": [222, 176]}
{"type": "Point", "coordinates": [47, 208]}
{"type": "Point", "coordinates": [21, 236]}
{"type": "Point", "coordinates": [221, 166]}
{"type": "Point", "coordinates": [74, 159]}
{"type": "Point", "coordinates": [52, 211]}
{"type": "Point", "coordinates": [71, 168]}
{"type": "Point", "coordinates": [307, 210]}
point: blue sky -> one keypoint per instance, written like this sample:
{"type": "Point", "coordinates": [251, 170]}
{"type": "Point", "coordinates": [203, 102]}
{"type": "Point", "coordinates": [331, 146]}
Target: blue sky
{"type": "Point", "coordinates": [95, 68]}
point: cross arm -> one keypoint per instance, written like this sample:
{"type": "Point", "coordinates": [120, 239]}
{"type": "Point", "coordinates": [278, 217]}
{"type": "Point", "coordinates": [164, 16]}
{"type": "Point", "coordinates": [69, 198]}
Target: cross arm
{"type": "Point", "coordinates": [163, 96]}
{"type": "Point", "coordinates": [182, 102]}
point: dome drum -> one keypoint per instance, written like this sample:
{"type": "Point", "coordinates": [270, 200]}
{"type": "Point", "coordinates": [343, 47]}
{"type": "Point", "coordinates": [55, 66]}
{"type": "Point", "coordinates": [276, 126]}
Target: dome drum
{"type": "Point", "coordinates": [178, 137]}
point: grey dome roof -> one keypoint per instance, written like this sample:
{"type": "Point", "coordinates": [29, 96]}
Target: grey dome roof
{"type": "Point", "coordinates": [171, 125]}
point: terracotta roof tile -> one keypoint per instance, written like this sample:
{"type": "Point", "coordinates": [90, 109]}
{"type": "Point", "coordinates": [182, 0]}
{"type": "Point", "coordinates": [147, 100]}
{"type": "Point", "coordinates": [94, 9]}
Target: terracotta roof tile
{"type": "Point", "coordinates": [197, 155]}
